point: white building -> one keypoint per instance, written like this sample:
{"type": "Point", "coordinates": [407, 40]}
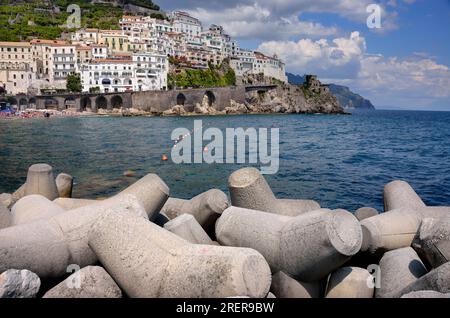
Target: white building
{"type": "Point", "coordinates": [271, 67]}
{"type": "Point", "coordinates": [184, 23]}
{"type": "Point", "coordinates": [151, 71]}
{"type": "Point", "coordinates": [85, 36]}
{"type": "Point", "coordinates": [137, 72]}
{"type": "Point", "coordinates": [17, 78]}
{"type": "Point", "coordinates": [107, 75]}
{"type": "Point", "coordinates": [17, 69]}
{"type": "Point", "coordinates": [55, 61]}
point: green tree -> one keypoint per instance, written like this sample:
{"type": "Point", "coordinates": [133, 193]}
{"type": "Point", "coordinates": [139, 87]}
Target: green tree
{"type": "Point", "coordinates": [74, 83]}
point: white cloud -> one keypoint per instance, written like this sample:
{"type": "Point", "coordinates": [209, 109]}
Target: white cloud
{"type": "Point", "coordinates": [279, 19]}
{"type": "Point", "coordinates": [411, 81]}
{"type": "Point", "coordinates": [340, 57]}
{"type": "Point", "coordinates": [258, 22]}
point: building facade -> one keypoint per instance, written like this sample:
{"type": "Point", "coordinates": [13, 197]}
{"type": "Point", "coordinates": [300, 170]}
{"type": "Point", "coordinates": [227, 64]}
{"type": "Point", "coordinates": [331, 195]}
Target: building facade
{"type": "Point", "coordinates": [132, 58]}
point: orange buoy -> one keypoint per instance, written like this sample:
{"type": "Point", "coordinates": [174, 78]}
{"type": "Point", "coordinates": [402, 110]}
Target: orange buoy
{"type": "Point", "coordinates": [164, 158]}
{"type": "Point", "coordinates": [129, 174]}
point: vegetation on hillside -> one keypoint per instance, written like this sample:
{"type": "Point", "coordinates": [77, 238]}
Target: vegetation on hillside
{"type": "Point", "coordinates": [21, 20]}
{"type": "Point", "coordinates": [144, 3]}
{"type": "Point", "coordinates": [74, 83]}
{"type": "Point", "coordinates": [195, 78]}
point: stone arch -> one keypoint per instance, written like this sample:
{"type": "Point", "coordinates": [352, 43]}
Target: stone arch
{"type": "Point", "coordinates": [12, 101]}
{"type": "Point", "coordinates": [85, 103]}
{"type": "Point", "coordinates": [69, 102]}
{"type": "Point", "coordinates": [51, 103]}
{"type": "Point", "coordinates": [181, 99]}
{"type": "Point", "coordinates": [116, 101]}
{"type": "Point", "coordinates": [32, 102]}
{"type": "Point", "coordinates": [101, 102]}
{"type": "Point", "coordinates": [211, 98]}
{"type": "Point", "coordinates": [23, 103]}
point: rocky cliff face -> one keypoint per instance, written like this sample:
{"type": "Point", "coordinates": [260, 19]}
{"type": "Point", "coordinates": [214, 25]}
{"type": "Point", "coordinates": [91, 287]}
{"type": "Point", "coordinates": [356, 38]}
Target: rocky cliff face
{"type": "Point", "coordinates": [293, 99]}
{"type": "Point", "coordinates": [285, 99]}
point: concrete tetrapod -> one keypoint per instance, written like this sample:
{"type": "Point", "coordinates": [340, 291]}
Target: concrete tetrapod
{"type": "Point", "coordinates": [426, 294]}
{"type": "Point", "coordinates": [151, 191]}
{"type": "Point", "coordinates": [6, 199]}
{"type": "Point", "coordinates": [249, 190]}
{"type": "Point", "coordinates": [9, 200]}
{"type": "Point", "coordinates": [89, 282]}
{"type": "Point", "coordinates": [433, 241]}
{"type": "Point", "coordinates": [399, 269]}
{"type": "Point", "coordinates": [71, 204]}
{"type": "Point", "coordinates": [64, 184]}
{"type": "Point", "coordinates": [33, 208]}
{"type": "Point", "coordinates": [307, 247]}
{"type": "Point", "coordinates": [40, 180]}
{"type": "Point", "coordinates": [350, 282]}
{"type": "Point", "coordinates": [365, 213]}
{"type": "Point", "coordinates": [187, 227]}
{"type": "Point", "coordinates": [396, 229]}
{"type": "Point", "coordinates": [47, 247]}
{"type": "Point", "coordinates": [399, 194]}
{"type": "Point", "coordinates": [206, 207]}
{"type": "Point", "coordinates": [284, 286]}
{"type": "Point", "coordinates": [437, 280]}
{"type": "Point", "coordinates": [5, 217]}
{"type": "Point", "coordinates": [148, 261]}
{"type": "Point", "coordinates": [18, 194]}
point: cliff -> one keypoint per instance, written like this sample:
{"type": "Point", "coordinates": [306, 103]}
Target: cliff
{"type": "Point", "coordinates": [348, 99]}
{"type": "Point", "coordinates": [293, 99]}
{"type": "Point", "coordinates": [285, 99]}
{"type": "Point", "coordinates": [344, 95]}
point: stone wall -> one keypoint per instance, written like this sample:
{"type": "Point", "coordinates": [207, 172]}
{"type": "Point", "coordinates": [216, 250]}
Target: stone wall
{"type": "Point", "coordinates": [150, 101]}
{"type": "Point", "coordinates": [219, 98]}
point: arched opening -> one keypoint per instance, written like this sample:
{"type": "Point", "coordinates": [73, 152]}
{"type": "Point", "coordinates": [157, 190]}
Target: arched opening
{"type": "Point", "coordinates": [85, 103]}
{"type": "Point", "coordinates": [13, 102]}
{"type": "Point", "coordinates": [211, 98]}
{"type": "Point", "coordinates": [51, 103]}
{"type": "Point", "coordinates": [23, 103]}
{"type": "Point", "coordinates": [69, 102]}
{"type": "Point", "coordinates": [181, 99]}
{"type": "Point", "coordinates": [32, 102]}
{"type": "Point", "coordinates": [101, 103]}
{"type": "Point", "coordinates": [117, 102]}
{"type": "Point", "coordinates": [106, 81]}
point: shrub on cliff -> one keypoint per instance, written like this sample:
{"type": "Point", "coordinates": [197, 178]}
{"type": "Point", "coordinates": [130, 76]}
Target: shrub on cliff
{"type": "Point", "coordinates": [211, 77]}
{"type": "Point", "coordinates": [74, 83]}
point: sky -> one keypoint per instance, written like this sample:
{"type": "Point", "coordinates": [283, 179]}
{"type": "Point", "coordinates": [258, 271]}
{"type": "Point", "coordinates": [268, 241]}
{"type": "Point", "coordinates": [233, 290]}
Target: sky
{"type": "Point", "coordinates": [404, 64]}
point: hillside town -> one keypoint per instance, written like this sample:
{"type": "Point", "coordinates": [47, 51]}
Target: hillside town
{"type": "Point", "coordinates": [136, 57]}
